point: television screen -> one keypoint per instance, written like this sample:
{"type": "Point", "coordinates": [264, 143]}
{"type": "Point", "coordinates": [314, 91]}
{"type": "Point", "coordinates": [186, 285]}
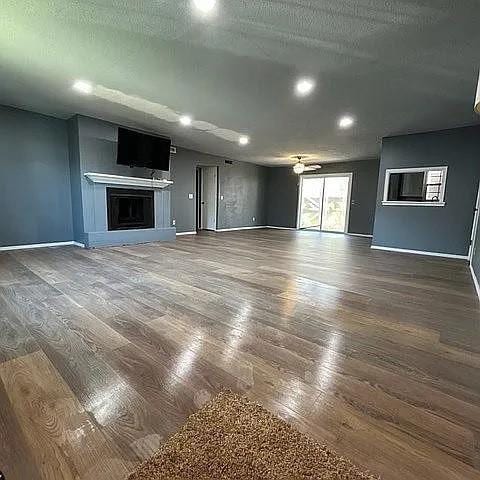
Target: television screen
{"type": "Point", "coordinates": [137, 149]}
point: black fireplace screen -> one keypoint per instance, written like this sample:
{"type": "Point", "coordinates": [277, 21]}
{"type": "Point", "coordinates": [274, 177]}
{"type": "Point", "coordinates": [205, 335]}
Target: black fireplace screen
{"type": "Point", "coordinates": [130, 209]}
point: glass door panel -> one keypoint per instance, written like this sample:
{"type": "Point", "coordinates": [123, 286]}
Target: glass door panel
{"type": "Point", "coordinates": [311, 202]}
{"type": "Point", "coordinates": [335, 204]}
{"type": "Point", "coordinates": [325, 202]}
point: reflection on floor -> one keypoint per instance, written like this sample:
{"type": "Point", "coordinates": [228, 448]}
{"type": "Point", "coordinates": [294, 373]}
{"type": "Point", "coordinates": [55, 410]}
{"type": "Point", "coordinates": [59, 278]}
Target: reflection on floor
{"type": "Point", "coordinates": [104, 353]}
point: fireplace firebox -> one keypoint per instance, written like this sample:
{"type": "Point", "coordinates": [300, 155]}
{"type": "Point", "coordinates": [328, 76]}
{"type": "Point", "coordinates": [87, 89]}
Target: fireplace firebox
{"type": "Point", "coordinates": [130, 209]}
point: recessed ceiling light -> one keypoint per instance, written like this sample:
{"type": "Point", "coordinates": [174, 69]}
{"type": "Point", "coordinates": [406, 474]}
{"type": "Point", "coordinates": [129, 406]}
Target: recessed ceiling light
{"type": "Point", "coordinates": [83, 87]}
{"type": "Point", "coordinates": [304, 87]}
{"type": "Point", "coordinates": [244, 140]}
{"type": "Point", "coordinates": [205, 6]}
{"type": "Point", "coordinates": [186, 120]}
{"type": "Point", "coordinates": [346, 121]}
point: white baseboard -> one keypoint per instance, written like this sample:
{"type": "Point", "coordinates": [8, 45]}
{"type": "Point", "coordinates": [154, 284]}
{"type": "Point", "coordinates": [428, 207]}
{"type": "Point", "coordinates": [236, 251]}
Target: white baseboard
{"type": "Point", "coordinates": [281, 228]}
{"type": "Point", "coordinates": [40, 245]}
{"type": "Point", "coordinates": [475, 281]}
{"type": "Point", "coordinates": [240, 228]}
{"type": "Point", "coordinates": [179, 234]}
{"type": "Point", "coordinates": [340, 233]}
{"type": "Point", "coordinates": [420, 252]}
{"type": "Point", "coordinates": [359, 235]}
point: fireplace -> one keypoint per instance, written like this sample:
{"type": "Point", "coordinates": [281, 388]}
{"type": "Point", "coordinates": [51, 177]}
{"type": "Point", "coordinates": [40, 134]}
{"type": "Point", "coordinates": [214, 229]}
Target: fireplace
{"type": "Point", "coordinates": [130, 209]}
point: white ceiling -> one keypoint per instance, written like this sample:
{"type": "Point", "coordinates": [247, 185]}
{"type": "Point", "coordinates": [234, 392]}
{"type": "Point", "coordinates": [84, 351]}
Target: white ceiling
{"type": "Point", "coordinates": [398, 66]}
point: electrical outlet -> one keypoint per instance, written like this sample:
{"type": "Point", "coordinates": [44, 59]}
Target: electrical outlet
{"type": "Point", "coordinates": [253, 219]}
{"type": "Point", "coordinates": [174, 222]}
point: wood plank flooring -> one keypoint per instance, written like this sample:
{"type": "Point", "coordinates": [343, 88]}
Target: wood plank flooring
{"type": "Point", "coordinates": [104, 353]}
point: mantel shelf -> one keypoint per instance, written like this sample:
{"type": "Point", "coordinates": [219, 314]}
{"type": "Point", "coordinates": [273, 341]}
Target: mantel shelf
{"type": "Point", "coordinates": [127, 181]}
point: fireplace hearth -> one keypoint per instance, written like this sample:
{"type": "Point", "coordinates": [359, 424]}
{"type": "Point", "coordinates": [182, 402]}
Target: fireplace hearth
{"type": "Point", "coordinates": [129, 209]}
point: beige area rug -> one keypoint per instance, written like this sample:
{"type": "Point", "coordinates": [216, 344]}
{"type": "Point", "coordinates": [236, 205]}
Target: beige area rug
{"type": "Point", "coordinates": [233, 438]}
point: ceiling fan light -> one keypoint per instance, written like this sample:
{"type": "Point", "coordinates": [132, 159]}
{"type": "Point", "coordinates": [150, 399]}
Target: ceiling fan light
{"type": "Point", "coordinates": [299, 168]}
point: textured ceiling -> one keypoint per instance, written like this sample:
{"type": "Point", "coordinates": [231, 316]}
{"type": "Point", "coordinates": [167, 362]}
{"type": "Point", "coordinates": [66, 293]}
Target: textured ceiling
{"type": "Point", "coordinates": [399, 66]}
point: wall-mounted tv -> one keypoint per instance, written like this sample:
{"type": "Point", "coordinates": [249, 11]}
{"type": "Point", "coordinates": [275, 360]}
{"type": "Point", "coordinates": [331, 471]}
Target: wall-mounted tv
{"type": "Point", "coordinates": [137, 149]}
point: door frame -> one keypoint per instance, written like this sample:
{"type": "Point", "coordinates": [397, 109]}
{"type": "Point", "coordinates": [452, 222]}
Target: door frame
{"type": "Point", "coordinates": [325, 175]}
{"type": "Point", "coordinates": [473, 236]}
{"type": "Point", "coordinates": [200, 196]}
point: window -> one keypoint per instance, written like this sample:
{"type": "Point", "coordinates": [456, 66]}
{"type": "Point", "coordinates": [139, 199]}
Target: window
{"type": "Point", "coordinates": [415, 186]}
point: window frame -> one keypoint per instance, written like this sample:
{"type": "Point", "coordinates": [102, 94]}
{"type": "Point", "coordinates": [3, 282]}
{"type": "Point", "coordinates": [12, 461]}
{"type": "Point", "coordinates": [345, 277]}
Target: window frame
{"type": "Point", "coordinates": [389, 171]}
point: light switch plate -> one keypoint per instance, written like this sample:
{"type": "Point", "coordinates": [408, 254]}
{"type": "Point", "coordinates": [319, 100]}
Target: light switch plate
{"type": "Point", "coordinates": [221, 197]}
{"type": "Point", "coordinates": [190, 196]}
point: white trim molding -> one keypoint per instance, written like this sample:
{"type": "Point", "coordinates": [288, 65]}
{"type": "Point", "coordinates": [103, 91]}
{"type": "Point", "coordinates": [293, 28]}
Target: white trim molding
{"type": "Point", "coordinates": [475, 281]}
{"type": "Point", "coordinates": [40, 245]}
{"type": "Point", "coordinates": [420, 252]}
{"type": "Point", "coordinates": [240, 228]}
{"type": "Point", "coordinates": [321, 231]}
{"type": "Point", "coordinates": [473, 235]}
{"type": "Point", "coordinates": [281, 228]}
{"type": "Point", "coordinates": [180, 234]}
{"type": "Point", "coordinates": [399, 203]}
{"type": "Point", "coordinates": [477, 98]}
{"type": "Point", "coordinates": [359, 235]}
{"type": "Point", "coordinates": [349, 175]}
{"type": "Point", "coordinates": [413, 204]}
{"type": "Point", "coordinates": [127, 181]}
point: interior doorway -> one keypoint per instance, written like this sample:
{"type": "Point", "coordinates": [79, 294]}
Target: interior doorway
{"type": "Point", "coordinates": [207, 194]}
{"type": "Point", "coordinates": [324, 202]}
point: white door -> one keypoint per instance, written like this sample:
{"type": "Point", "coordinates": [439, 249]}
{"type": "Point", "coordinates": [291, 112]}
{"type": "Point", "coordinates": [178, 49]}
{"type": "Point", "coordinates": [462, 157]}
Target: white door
{"type": "Point", "coordinates": [209, 198]}
{"type": "Point", "coordinates": [324, 202]}
{"type": "Point", "coordinates": [475, 226]}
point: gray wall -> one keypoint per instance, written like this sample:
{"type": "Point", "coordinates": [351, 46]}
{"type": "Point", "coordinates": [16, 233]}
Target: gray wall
{"type": "Point", "coordinates": [34, 179]}
{"type": "Point", "coordinates": [75, 180]}
{"type": "Point", "coordinates": [46, 198]}
{"type": "Point", "coordinates": [282, 197]}
{"type": "Point", "coordinates": [93, 148]}
{"type": "Point", "coordinates": [243, 186]}
{"type": "Point", "coordinates": [432, 229]}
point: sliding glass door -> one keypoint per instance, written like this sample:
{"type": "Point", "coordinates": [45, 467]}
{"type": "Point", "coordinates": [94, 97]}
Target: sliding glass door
{"type": "Point", "coordinates": [324, 202]}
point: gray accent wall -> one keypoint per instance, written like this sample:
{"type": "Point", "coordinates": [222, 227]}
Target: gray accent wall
{"type": "Point", "coordinates": [445, 229]}
{"type": "Point", "coordinates": [282, 197]}
{"type": "Point", "coordinates": [243, 186]}
{"type": "Point", "coordinates": [34, 179]}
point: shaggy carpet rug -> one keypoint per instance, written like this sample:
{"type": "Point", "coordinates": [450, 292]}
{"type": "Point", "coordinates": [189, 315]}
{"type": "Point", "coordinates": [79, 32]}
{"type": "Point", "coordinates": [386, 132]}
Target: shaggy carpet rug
{"type": "Point", "coordinates": [232, 438]}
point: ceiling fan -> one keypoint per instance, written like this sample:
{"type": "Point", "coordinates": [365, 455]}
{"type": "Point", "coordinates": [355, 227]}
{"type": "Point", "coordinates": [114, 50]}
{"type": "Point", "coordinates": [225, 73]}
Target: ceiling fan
{"type": "Point", "coordinates": [300, 167]}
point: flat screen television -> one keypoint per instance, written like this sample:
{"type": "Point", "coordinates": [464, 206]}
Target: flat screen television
{"type": "Point", "coordinates": [137, 149]}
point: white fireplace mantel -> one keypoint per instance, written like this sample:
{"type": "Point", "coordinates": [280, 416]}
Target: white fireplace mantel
{"type": "Point", "coordinates": [127, 181]}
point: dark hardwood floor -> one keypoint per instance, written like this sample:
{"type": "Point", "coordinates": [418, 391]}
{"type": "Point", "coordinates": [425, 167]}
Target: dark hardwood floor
{"type": "Point", "coordinates": [104, 353]}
